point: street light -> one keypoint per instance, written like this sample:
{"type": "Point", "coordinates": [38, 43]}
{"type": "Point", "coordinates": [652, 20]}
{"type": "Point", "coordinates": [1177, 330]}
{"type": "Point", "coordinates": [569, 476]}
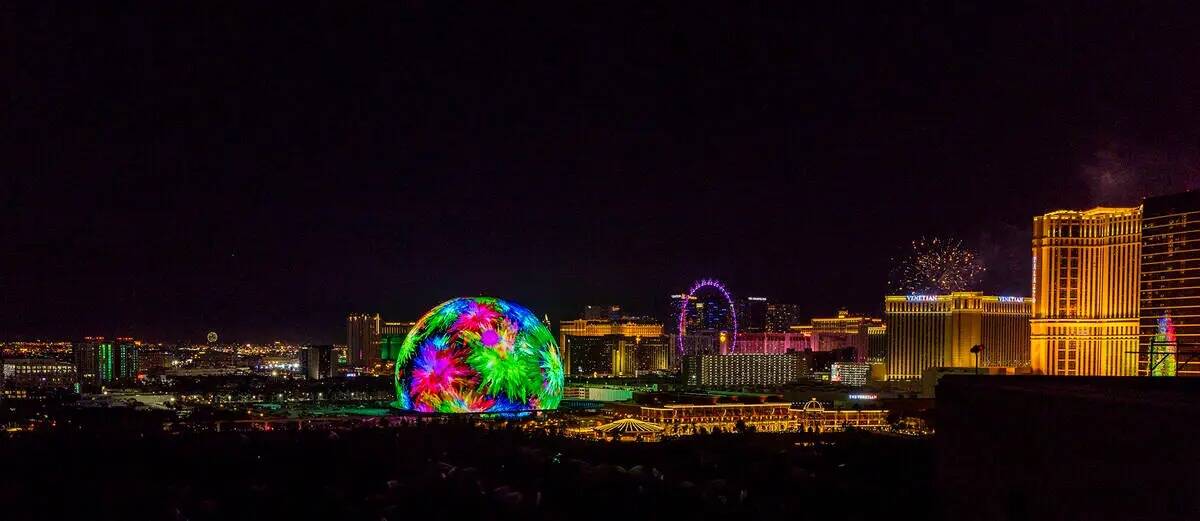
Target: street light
{"type": "Point", "coordinates": [976, 349]}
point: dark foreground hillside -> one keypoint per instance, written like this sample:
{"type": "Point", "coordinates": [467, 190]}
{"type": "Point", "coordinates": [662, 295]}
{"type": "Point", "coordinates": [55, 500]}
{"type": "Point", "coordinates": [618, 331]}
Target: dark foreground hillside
{"type": "Point", "coordinates": [460, 471]}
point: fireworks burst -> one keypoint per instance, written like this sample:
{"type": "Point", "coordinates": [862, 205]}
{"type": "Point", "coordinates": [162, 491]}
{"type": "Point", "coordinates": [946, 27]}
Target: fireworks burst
{"type": "Point", "coordinates": [936, 266]}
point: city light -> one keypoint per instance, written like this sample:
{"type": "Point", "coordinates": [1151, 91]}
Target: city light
{"type": "Point", "coordinates": [252, 255]}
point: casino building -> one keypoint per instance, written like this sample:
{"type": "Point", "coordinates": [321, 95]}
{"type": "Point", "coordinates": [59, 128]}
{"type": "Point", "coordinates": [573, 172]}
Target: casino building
{"type": "Point", "coordinates": [685, 419]}
{"type": "Point", "coordinates": [745, 369]}
{"type": "Point", "coordinates": [939, 331]}
{"type": "Point", "coordinates": [844, 330]}
{"type": "Point", "coordinates": [773, 343]}
{"type": "Point", "coordinates": [1085, 290]}
{"type": "Point", "coordinates": [622, 347]}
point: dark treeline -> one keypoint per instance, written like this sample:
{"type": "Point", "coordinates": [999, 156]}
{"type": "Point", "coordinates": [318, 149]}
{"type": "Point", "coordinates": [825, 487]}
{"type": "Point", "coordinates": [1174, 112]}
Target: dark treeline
{"type": "Point", "coordinates": [459, 471]}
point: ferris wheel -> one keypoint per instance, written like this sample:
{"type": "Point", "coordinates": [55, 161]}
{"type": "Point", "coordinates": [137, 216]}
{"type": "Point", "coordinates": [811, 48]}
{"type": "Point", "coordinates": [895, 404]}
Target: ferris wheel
{"type": "Point", "coordinates": [683, 309]}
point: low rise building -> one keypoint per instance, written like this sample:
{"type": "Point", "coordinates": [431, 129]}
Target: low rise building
{"type": "Point", "coordinates": [813, 416]}
{"type": "Point", "coordinates": [849, 373]}
{"type": "Point", "coordinates": [19, 377]}
{"type": "Point", "coordinates": [598, 393]}
{"type": "Point", "coordinates": [772, 343]}
{"type": "Point", "coordinates": [744, 369]}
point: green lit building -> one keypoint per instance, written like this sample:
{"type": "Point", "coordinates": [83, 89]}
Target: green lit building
{"type": "Point", "coordinates": [391, 337]}
{"type": "Point", "coordinates": [99, 361]}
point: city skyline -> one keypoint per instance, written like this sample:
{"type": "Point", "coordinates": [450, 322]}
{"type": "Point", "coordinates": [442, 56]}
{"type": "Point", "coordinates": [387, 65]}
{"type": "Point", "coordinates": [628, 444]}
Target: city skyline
{"type": "Point", "coordinates": [580, 260]}
{"type": "Point", "coordinates": [166, 194]}
{"type": "Point", "coordinates": [364, 343]}
{"type": "Point", "coordinates": [654, 311]}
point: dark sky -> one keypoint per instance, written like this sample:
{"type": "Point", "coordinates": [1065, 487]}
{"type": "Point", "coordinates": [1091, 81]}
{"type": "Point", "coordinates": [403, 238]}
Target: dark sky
{"type": "Point", "coordinates": [263, 170]}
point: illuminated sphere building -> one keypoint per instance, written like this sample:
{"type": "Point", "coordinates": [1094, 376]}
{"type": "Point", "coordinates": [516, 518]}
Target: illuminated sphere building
{"type": "Point", "coordinates": [475, 355]}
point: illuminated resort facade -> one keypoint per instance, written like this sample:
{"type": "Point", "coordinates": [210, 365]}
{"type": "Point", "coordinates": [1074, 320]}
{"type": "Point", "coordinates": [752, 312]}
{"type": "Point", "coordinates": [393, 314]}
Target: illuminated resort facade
{"type": "Point", "coordinates": [926, 331]}
{"type": "Point", "coordinates": [614, 347]}
{"type": "Point", "coordinates": [698, 344]}
{"type": "Point", "coordinates": [391, 338]}
{"type": "Point", "coordinates": [396, 328]}
{"type": "Point", "coordinates": [601, 392]}
{"type": "Point", "coordinates": [1170, 283]}
{"type": "Point", "coordinates": [1085, 290]}
{"type": "Point", "coordinates": [850, 373]}
{"type": "Point", "coordinates": [823, 334]}
{"type": "Point", "coordinates": [687, 419]}
{"type": "Point", "coordinates": [844, 330]}
{"type": "Point", "coordinates": [773, 343]}
{"type": "Point", "coordinates": [619, 355]}
{"type": "Point", "coordinates": [739, 369]}
{"type": "Point", "coordinates": [877, 344]}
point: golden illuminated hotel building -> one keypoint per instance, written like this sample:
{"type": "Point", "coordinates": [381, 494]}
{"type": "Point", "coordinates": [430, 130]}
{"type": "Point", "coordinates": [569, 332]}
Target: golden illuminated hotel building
{"type": "Point", "coordinates": [926, 331]}
{"type": "Point", "coordinates": [1085, 291]}
{"type": "Point", "coordinates": [615, 347]}
{"type": "Point", "coordinates": [844, 330]}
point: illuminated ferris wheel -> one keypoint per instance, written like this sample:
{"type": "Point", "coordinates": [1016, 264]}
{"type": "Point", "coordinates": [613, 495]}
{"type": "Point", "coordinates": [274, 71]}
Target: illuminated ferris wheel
{"type": "Point", "coordinates": [683, 309]}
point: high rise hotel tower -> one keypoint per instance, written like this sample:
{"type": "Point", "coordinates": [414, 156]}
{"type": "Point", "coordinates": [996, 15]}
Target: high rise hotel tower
{"type": "Point", "coordinates": [362, 338]}
{"type": "Point", "coordinates": [1170, 275]}
{"type": "Point", "coordinates": [1085, 291]}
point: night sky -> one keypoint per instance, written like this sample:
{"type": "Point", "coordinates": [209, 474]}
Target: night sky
{"type": "Point", "coordinates": [263, 170]}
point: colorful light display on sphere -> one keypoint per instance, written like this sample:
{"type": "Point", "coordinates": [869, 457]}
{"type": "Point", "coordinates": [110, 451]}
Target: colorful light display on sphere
{"type": "Point", "coordinates": [478, 355]}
